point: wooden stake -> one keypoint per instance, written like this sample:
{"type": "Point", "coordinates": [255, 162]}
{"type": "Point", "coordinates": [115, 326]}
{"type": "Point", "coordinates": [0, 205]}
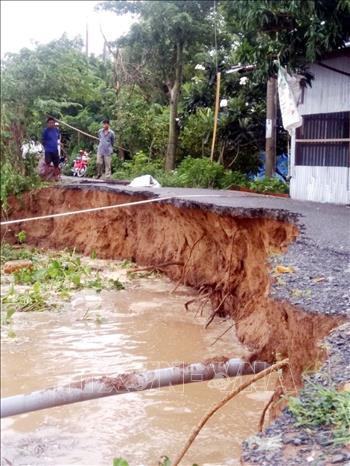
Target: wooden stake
{"type": "Point", "coordinates": [217, 103]}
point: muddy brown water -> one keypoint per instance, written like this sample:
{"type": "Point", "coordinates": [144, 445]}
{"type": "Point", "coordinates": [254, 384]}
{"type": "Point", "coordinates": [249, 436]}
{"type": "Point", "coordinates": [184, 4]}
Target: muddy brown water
{"type": "Point", "coordinates": [142, 327]}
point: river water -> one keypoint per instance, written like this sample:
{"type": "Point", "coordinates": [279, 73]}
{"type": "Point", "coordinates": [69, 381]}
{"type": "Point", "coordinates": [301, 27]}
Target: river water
{"type": "Point", "coordinates": [140, 328]}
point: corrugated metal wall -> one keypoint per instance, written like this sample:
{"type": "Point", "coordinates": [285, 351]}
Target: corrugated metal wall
{"type": "Point", "coordinates": [322, 155]}
{"type": "Point", "coordinates": [330, 93]}
{"type": "Point", "coordinates": [323, 126]}
{"type": "Point", "coordinates": [320, 184]}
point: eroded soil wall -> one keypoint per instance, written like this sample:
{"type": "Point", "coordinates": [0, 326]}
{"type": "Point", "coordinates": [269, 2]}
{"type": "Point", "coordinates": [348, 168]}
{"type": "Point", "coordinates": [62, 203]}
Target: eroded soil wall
{"type": "Point", "coordinates": [221, 255]}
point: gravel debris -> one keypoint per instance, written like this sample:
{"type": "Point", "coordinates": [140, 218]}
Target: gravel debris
{"type": "Point", "coordinates": [318, 445]}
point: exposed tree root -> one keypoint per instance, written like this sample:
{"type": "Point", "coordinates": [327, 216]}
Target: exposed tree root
{"type": "Point", "coordinates": [220, 404]}
{"type": "Point", "coordinates": [202, 298]}
{"type": "Point", "coordinates": [222, 334]}
{"type": "Point", "coordinates": [216, 310]}
{"type": "Point", "coordinates": [183, 276]}
{"type": "Point", "coordinates": [205, 300]}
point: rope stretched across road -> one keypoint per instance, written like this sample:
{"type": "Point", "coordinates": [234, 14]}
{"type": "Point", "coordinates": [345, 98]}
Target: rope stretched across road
{"type": "Point", "coordinates": [97, 209]}
{"type": "Point", "coordinates": [82, 132]}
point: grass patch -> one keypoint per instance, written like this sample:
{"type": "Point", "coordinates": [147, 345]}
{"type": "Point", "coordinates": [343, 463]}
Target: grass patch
{"type": "Point", "coordinates": [324, 407]}
{"type": "Point", "coordinates": [9, 253]}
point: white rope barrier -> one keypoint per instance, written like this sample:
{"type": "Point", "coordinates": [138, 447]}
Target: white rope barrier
{"type": "Point", "coordinates": [97, 209]}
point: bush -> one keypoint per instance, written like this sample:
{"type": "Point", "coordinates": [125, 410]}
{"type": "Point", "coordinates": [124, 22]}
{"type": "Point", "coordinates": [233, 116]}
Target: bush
{"type": "Point", "coordinates": [200, 173]}
{"type": "Point", "coordinates": [91, 170]}
{"type": "Point", "coordinates": [14, 183]}
{"type": "Point", "coordinates": [67, 169]}
{"type": "Point", "coordinates": [191, 173]}
{"type": "Point", "coordinates": [203, 173]}
{"type": "Point", "coordinates": [269, 185]}
{"type": "Point", "coordinates": [138, 166]}
{"type": "Point", "coordinates": [234, 179]}
{"type": "Point", "coordinates": [116, 163]}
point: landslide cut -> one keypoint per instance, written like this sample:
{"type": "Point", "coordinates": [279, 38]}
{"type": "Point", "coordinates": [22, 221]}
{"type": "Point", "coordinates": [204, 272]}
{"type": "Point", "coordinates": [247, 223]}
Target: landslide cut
{"type": "Point", "coordinates": [222, 254]}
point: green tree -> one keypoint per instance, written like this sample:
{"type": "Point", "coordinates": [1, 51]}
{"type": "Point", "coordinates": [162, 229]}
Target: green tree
{"type": "Point", "coordinates": [54, 79]}
{"type": "Point", "coordinates": [293, 32]}
{"type": "Point", "coordinates": [296, 32]}
{"type": "Point", "coordinates": [164, 40]}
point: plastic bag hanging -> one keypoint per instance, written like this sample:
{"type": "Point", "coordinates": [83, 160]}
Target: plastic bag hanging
{"type": "Point", "coordinates": [291, 117]}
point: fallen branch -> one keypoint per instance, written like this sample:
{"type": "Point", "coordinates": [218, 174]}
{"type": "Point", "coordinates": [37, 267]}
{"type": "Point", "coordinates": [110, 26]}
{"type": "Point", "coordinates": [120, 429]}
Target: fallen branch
{"type": "Point", "coordinates": [154, 267]}
{"type": "Point", "coordinates": [221, 403]}
{"type": "Point", "coordinates": [263, 414]}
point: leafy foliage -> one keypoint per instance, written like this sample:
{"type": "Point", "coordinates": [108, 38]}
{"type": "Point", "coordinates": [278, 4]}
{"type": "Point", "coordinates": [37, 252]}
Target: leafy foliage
{"type": "Point", "coordinates": [158, 85]}
{"type": "Point", "coordinates": [202, 172]}
{"type": "Point", "coordinates": [61, 271]}
{"type": "Point", "coordinates": [31, 301]}
{"type": "Point", "coordinates": [120, 462]}
{"type": "Point", "coordinates": [196, 135]}
{"type": "Point", "coordinates": [9, 253]}
{"type": "Point", "coordinates": [50, 278]}
{"type": "Point", "coordinates": [192, 172]}
{"type": "Point", "coordinates": [163, 41]}
{"type": "Point", "coordinates": [295, 32]}
{"type": "Point", "coordinates": [269, 185]}
{"type": "Point", "coordinates": [21, 237]}
{"type": "Point", "coordinates": [14, 183]}
{"type": "Point", "coordinates": [324, 406]}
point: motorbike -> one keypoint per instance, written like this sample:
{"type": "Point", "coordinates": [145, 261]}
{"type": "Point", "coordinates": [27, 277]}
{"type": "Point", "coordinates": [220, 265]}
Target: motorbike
{"type": "Point", "coordinates": [80, 164]}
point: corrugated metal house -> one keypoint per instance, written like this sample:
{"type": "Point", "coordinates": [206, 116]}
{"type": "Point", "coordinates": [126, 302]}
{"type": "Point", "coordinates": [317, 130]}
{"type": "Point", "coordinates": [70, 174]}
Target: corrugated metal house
{"type": "Point", "coordinates": [320, 148]}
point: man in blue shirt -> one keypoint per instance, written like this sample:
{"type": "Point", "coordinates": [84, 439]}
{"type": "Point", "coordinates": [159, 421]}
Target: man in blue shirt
{"type": "Point", "coordinates": [50, 138]}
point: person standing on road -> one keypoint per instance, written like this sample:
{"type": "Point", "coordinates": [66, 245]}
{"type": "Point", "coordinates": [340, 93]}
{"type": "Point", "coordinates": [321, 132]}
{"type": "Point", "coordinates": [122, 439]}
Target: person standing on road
{"type": "Point", "coordinates": [50, 138]}
{"type": "Point", "coordinates": [105, 149]}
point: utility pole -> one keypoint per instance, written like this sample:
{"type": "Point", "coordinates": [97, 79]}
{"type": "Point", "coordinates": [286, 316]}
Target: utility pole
{"type": "Point", "coordinates": [271, 114]}
{"type": "Point", "coordinates": [87, 40]}
{"type": "Point", "coordinates": [216, 114]}
{"type": "Point", "coordinates": [104, 53]}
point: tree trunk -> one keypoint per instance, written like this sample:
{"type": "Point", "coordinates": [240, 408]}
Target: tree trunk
{"type": "Point", "coordinates": [121, 152]}
{"type": "Point", "coordinates": [174, 97]}
{"type": "Point", "coordinates": [271, 111]}
{"type": "Point", "coordinates": [17, 137]}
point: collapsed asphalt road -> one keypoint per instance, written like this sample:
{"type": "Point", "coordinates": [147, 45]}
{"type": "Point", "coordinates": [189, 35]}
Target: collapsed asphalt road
{"type": "Point", "coordinates": [315, 283]}
{"type": "Point", "coordinates": [320, 256]}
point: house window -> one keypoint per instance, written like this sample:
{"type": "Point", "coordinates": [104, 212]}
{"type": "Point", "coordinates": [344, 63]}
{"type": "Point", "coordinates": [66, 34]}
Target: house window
{"type": "Point", "coordinates": [324, 140]}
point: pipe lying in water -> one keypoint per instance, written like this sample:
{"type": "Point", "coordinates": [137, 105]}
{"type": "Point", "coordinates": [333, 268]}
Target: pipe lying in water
{"type": "Point", "coordinates": [99, 387]}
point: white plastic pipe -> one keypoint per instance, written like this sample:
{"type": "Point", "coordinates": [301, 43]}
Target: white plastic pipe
{"type": "Point", "coordinates": [99, 387]}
